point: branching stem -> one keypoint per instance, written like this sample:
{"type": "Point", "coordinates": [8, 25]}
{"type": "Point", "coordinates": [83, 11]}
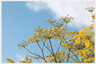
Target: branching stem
{"type": "Point", "coordinates": [52, 51]}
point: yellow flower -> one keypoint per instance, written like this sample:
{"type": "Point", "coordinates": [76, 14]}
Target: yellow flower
{"type": "Point", "coordinates": [75, 36]}
{"type": "Point", "coordinates": [80, 52]}
{"type": "Point", "coordinates": [93, 59]}
{"type": "Point", "coordinates": [76, 42]}
{"type": "Point", "coordinates": [62, 28]}
{"type": "Point", "coordinates": [9, 60]}
{"type": "Point", "coordinates": [55, 29]}
{"type": "Point", "coordinates": [56, 37]}
{"type": "Point", "coordinates": [49, 27]}
{"type": "Point", "coordinates": [84, 29]}
{"type": "Point", "coordinates": [84, 53]}
{"type": "Point", "coordinates": [25, 43]}
{"type": "Point", "coordinates": [81, 34]}
{"type": "Point", "coordinates": [89, 27]}
{"type": "Point", "coordinates": [94, 38]}
{"type": "Point", "coordinates": [92, 24]}
{"type": "Point", "coordinates": [66, 35]}
{"type": "Point", "coordinates": [86, 35]}
{"type": "Point", "coordinates": [44, 30]}
{"type": "Point", "coordinates": [85, 60]}
{"type": "Point", "coordinates": [28, 39]}
{"type": "Point", "coordinates": [81, 57]}
{"type": "Point", "coordinates": [26, 58]}
{"type": "Point", "coordinates": [59, 19]}
{"type": "Point", "coordinates": [87, 43]}
{"type": "Point", "coordinates": [34, 33]}
{"type": "Point", "coordinates": [89, 60]}
{"type": "Point", "coordinates": [83, 40]}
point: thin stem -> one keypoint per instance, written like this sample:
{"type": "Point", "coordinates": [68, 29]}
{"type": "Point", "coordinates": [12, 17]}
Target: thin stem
{"type": "Point", "coordinates": [47, 48]}
{"type": "Point", "coordinates": [51, 46]}
{"type": "Point", "coordinates": [82, 60]}
{"type": "Point", "coordinates": [41, 50]}
{"type": "Point", "coordinates": [68, 56]}
{"type": "Point", "coordinates": [52, 51]}
{"type": "Point", "coordinates": [57, 49]}
{"type": "Point", "coordinates": [65, 28]}
{"type": "Point", "coordinates": [73, 52]}
{"type": "Point", "coordinates": [75, 56]}
{"type": "Point", "coordinates": [35, 54]}
{"type": "Point", "coordinates": [38, 60]}
{"type": "Point", "coordinates": [42, 46]}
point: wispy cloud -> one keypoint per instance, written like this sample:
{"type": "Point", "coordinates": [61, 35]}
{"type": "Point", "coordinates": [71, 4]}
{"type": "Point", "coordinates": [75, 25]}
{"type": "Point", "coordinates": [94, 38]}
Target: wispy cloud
{"type": "Point", "coordinates": [76, 9]}
{"type": "Point", "coordinates": [36, 6]}
{"type": "Point", "coordinates": [19, 57]}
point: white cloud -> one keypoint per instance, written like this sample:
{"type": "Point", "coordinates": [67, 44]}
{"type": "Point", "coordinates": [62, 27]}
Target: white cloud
{"type": "Point", "coordinates": [36, 6]}
{"type": "Point", "coordinates": [76, 9]}
{"type": "Point", "coordinates": [19, 57]}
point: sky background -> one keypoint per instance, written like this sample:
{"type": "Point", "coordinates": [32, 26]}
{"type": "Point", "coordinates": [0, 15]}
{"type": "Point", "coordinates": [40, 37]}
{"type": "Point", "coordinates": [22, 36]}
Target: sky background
{"type": "Point", "coordinates": [20, 18]}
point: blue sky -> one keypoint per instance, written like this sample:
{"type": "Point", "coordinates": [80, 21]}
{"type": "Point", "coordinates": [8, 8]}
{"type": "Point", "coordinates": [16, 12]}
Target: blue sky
{"type": "Point", "coordinates": [20, 18]}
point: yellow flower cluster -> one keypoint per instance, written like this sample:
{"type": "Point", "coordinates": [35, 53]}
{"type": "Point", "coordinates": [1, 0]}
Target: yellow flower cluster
{"type": "Point", "coordinates": [89, 60]}
{"type": "Point", "coordinates": [58, 56]}
{"type": "Point", "coordinates": [90, 9]}
{"type": "Point", "coordinates": [82, 53]}
{"type": "Point", "coordinates": [87, 43]}
{"type": "Point", "coordinates": [9, 60]}
{"type": "Point", "coordinates": [66, 19]}
{"type": "Point", "coordinates": [51, 21]}
{"type": "Point", "coordinates": [62, 28]}
{"type": "Point", "coordinates": [43, 34]}
{"type": "Point", "coordinates": [23, 44]}
{"type": "Point", "coordinates": [83, 36]}
{"type": "Point", "coordinates": [83, 42]}
{"type": "Point", "coordinates": [79, 43]}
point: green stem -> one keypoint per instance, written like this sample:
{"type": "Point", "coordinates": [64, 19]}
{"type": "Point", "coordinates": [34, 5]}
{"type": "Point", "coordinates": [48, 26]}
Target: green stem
{"type": "Point", "coordinates": [41, 51]}
{"type": "Point", "coordinates": [68, 56]}
{"type": "Point", "coordinates": [35, 54]}
{"type": "Point", "coordinates": [52, 51]}
{"type": "Point", "coordinates": [47, 48]}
